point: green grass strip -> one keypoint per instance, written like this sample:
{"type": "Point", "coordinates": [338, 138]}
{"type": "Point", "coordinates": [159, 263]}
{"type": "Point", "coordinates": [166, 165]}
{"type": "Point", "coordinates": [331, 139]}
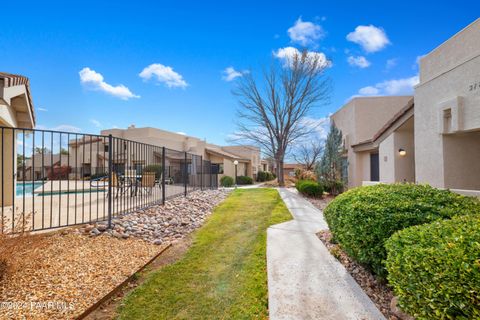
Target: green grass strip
{"type": "Point", "coordinates": [223, 274]}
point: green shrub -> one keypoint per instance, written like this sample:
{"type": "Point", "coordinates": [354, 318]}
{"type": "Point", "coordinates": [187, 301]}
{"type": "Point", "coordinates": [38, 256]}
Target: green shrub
{"type": "Point", "coordinates": [434, 269]}
{"type": "Point", "coordinates": [157, 168]}
{"type": "Point", "coordinates": [264, 176]}
{"type": "Point", "coordinates": [333, 187]}
{"type": "Point", "coordinates": [244, 180]}
{"type": "Point", "coordinates": [309, 188]}
{"type": "Point", "coordinates": [226, 181]}
{"type": "Point", "coordinates": [362, 219]}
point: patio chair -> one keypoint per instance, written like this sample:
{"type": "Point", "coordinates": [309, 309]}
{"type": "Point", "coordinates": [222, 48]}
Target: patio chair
{"type": "Point", "coordinates": [120, 185]}
{"type": "Point", "coordinates": [168, 180]}
{"type": "Point", "coordinates": [148, 182]}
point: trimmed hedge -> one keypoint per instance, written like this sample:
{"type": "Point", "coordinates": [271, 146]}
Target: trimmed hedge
{"type": "Point", "coordinates": [226, 181]}
{"type": "Point", "coordinates": [435, 269]}
{"type": "Point", "coordinates": [363, 218]}
{"type": "Point", "coordinates": [244, 180]}
{"type": "Point", "coordinates": [309, 188]}
{"type": "Point", "coordinates": [265, 176]}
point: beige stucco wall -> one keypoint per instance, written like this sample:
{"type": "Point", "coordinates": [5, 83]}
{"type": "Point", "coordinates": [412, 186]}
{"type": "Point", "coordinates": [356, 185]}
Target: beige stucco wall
{"type": "Point", "coordinates": [160, 137]}
{"type": "Point", "coordinates": [14, 112]}
{"type": "Point", "coordinates": [250, 159]}
{"type": "Point", "coordinates": [404, 165]}
{"type": "Point", "coordinates": [387, 159]}
{"type": "Point", "coordinates": [393, 166]}
{"type": "Point", "coordinates": [449, 80]}
{"type": "Point", "coordinates": [359, 120]}
{"type": "Point", "coordinates": [8, 163]}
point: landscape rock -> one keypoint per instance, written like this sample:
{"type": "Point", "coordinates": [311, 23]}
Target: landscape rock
{"type": "Point", "coordinates": [163, 223]}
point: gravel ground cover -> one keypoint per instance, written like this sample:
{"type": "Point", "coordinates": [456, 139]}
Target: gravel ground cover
{"type": "Point", "coordinates": [67, 271]}
{"type": "Point", "coordinates": [160, 224]}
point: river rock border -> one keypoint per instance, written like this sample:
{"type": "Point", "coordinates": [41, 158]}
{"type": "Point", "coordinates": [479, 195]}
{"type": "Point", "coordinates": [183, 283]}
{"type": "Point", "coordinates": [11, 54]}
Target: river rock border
{"type": "Point", "coordinates": [163, 223]}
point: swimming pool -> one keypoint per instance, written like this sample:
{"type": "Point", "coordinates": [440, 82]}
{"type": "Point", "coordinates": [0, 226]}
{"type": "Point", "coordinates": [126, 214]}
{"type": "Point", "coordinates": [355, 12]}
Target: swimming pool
{"type": "Point", "coordinates": [27, 189]}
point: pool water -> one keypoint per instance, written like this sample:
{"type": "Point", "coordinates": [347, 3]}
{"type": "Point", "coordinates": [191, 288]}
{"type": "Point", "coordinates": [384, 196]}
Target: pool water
{"type": "Point", "coordinates": [27, 189]}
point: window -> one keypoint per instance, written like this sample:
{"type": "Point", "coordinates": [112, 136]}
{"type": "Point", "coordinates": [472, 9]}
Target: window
{"type": "Point", "coordinates": [217, 168]}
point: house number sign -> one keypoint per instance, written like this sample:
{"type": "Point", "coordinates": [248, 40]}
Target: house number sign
{"type": "Point", "coordinates": [474, 86]}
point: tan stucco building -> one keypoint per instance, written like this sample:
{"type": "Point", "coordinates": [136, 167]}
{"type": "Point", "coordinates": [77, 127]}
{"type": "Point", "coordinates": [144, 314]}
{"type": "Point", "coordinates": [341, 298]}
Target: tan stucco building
{"type": "Point", "coordinates": [221, 157]}
{"type": "Point", "coordinates": [432, 137]}
{"type": "Point", "coordinates": [363, 122]}
{"type": "Point", "coordinates": [447, 113]}
{"type": "Point", "coordinates": [16, 111]}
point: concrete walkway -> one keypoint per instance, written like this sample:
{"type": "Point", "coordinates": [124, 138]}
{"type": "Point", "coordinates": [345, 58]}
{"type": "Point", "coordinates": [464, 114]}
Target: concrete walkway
{"type": "Point", "coordinates": [304, 280]}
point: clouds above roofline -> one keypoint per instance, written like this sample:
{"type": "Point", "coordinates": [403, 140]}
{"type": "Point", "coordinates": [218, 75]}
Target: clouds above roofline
{"type": "Point", "coordinates": [392, 87]}
{"type": "Point", "coordinates": [163, 74]}
{"type": "Point", "coordinates": [370, 38]}
{"type": "Point", "coordinates": [94, 81]}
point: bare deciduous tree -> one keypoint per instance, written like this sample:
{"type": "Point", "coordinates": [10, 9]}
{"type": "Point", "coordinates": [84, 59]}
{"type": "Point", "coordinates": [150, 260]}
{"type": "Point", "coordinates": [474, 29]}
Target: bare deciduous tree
{"type": "Point", "coordinates": [308, 154]}
{"type": "Point", "coordinates": [272, 115]}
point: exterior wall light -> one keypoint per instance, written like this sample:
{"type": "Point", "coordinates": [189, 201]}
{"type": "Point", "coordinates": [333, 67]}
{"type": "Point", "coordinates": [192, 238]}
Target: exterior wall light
{"type": "Point", "coordinates": [402, 152]}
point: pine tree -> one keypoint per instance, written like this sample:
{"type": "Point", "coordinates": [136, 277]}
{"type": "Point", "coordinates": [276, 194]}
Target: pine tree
{"type": "Point", "coordinates": [330, 168]}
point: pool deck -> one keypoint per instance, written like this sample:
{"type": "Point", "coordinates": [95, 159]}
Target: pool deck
{"type": "Point", "coordinates": [81, 205]}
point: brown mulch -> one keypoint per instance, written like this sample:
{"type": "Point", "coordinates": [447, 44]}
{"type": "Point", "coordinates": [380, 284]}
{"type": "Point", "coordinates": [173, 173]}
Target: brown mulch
{"type": "Point", "coordinates": [322, 202]}
{"type": "Point", "coordinates": [66, 272]}
{"type": "Point", "coordinates": [108, 310]}
{"type": "Point", "coordinates": [375, 288]}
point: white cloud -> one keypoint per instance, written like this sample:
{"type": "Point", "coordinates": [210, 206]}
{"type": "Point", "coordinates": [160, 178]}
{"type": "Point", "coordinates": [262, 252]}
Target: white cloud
{"type": "Point", "coordinates": [96, 123]}
{"type": "Point", "coordinates": [359, 61]}
{"type": "Point", "coordinates": [370, 38]}
{"type": "Point", "coordinates": [391, 63]}
{"type": "Point", "coordinates": [163, 74]}
{"type": "Point", "coordinates": [229, 74]}
{"type": "Point", "coordinates": [391, 87]}
{"type": "Point", "coordinates": [94, 80]}
{"type": "Point", "coordinates": [42, 109]}
{"type": "Point", "coordinates": [369, 91]}
{"type": "Point", "coordinates": [181, 132]}
{"type": "Point", "coordinates": [305, 33]}
{"type": "Point", "coordinates": [288, 54]}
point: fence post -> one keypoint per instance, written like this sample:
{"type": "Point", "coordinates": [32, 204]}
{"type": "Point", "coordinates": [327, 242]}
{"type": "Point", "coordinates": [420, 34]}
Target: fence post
{"type": "Point", "coordinates": [185, 173]}
{"type": "Point", "coordinates": [201, 172]}
{"type": "Point", "coordinates": [163, 175]}
{"type": "Point", "coordinates": [110, 179]}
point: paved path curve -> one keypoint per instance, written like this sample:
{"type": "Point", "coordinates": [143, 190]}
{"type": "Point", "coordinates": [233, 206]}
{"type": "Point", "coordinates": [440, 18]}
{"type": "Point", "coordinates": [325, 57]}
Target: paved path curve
{"type": "Point", "coordinates": [304, 280]}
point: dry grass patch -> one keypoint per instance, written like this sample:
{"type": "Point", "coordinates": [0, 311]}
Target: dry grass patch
{"type": "Point", "coordinates": [68, 270]}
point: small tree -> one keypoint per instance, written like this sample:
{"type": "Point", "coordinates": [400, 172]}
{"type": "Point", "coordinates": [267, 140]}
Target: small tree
{"type": "Point", "coordinates": [273, 116]}
{"type": "Point", "coordinates": [308, 155]}
{"type": "Point", "coordinates": [330, 168]}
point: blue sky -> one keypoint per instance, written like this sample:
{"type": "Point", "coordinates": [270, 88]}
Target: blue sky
{"type": "Point", "coordinates": [170, 58]}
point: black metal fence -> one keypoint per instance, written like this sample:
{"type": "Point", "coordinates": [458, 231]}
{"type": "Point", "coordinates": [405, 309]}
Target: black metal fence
{"type": "Point", "coordinates": [52, 179]}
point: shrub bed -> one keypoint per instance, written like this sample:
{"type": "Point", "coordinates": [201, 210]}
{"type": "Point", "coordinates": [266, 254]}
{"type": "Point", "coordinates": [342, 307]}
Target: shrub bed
{"type": "Point", "coordinates": [226, 181]}
{"type": "Point", "coordinates": [309, 188]}
{"type": "Point", "coordinates": [244, 180]}
{"type": "Point", "coordinates": [263, 176]}
{"type": "Point", "coordinates": [362, 219]}
{"type": "Point", "coordinates": [434, 269]}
